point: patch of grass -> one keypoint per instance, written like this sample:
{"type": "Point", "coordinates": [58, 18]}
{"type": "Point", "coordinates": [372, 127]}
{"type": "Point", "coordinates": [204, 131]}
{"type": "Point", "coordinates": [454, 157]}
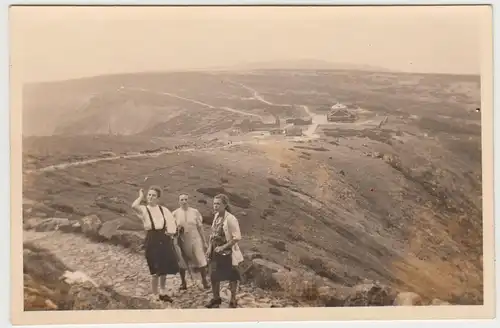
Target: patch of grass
{"type": "Point", "coordinates": [275, 191]}
{"type": "Point", "coordinates": [109, 207]}
{"type": "Point", "coordinates": [235, 199]}
{"type": "Point", "coordinates": [380, 135]}
{"type": "Point", "coordinates": [268, 212]}
{"type": "Point", "coordinates": [274, 182]}
{"type": "Point", "coordinates": [295, 236]}
{"type": "Point", "coordinates": [320, 268]}
{"type": "Point", "coordinates": [279, 245]}
{"type": "Point", "coordinates": [312, 148]}
{"type": "Point", "coordinates": [435, 125]}
{"type": "Point", "coordinates": [63, 208]}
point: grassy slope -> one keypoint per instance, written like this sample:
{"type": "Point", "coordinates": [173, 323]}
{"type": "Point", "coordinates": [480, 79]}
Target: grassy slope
{"type": "Point", "coordinates": [411, 218]}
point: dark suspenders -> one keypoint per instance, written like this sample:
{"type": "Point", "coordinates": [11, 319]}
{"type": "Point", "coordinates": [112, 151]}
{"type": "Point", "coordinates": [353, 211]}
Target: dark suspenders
{"type": "Point", "coordinates": [151, 219]}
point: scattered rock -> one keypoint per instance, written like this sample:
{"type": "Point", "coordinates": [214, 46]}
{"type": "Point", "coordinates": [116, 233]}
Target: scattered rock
{"type": "Point", "coordinates": [329, 297]}
{"type": "Point", "coordinates": [50, 224]}
{"type": "Point", "coordinates": [77, 277]}
{"type": "Point", "coordinates": [50, 305]}
{"type": "Point", "coordinates": [91, 225]}
{"type": "Point", "coordinates": [370, 295]}
{"type": "Point", "coordinates": [109, 228]}
{"type": "Point", "coordinates": [408, 299]}
{"type": "Point", "coordinates": [437, 301]}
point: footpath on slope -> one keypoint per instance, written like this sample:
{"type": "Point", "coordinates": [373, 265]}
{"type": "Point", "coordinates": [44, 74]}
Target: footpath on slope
{"type": "Point", "coordinates": [127, 272]}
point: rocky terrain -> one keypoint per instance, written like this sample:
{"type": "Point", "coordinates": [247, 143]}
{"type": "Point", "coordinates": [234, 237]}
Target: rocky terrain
{"type": "Point", "coordinates": [380, 211]}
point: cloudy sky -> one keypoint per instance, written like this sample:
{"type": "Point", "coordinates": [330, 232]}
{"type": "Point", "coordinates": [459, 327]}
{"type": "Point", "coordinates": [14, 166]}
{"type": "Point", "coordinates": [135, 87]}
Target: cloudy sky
{"type": "Point", "coordinates": [51, 43]}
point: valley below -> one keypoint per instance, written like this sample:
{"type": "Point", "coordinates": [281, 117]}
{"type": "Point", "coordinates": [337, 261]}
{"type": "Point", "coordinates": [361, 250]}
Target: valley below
{"type": "Point", "coordinates": [390, 198]}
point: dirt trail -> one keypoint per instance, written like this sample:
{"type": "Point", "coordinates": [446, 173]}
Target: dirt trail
{"type": "Point", "coordinates": [60, 166]}
{"type": "Point", "coordinates": [257, 96]}
{"type": "Point", "coordinates": [128, 273]}
{"type": "Point", "coordinates": [229, 109]}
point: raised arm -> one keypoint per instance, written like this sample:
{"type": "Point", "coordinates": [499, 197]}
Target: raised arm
{"type": "Point", "coordinates": [136, 205]}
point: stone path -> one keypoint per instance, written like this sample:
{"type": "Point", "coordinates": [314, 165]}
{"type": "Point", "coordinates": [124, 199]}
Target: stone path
{"type": "Point", "coordinates": [128, 273]}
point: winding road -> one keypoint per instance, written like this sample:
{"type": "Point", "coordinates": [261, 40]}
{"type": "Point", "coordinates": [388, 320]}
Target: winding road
{"type": "Point", "coordinates": [229, 109]}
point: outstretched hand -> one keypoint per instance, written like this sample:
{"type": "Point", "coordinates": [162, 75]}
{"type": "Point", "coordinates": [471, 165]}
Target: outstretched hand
{"type": "Point", "coordinates": [141, 193]}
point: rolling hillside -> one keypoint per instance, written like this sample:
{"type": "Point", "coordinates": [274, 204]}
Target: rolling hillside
{"type": "Point", "coordinates": [398, 203]}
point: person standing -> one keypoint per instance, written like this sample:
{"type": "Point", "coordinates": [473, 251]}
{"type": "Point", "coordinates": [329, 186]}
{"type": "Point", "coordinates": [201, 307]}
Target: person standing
{"type": "Point", "coordinates": [160, 226]}
{"type": "Point", "coordinates": [191, 240]}
{"type": "Point", "coordinates": [223, 251]}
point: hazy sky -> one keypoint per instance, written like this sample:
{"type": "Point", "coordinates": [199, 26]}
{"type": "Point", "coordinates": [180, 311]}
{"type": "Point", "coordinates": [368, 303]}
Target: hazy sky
{"type": "Point", "coordinates": [51, 43]}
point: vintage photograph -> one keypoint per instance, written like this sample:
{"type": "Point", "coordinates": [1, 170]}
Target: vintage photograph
{"type": "Point", "coordinates": [250, 157]}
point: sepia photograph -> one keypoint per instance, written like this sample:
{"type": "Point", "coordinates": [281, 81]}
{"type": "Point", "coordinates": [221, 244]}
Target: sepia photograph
{"type": "Point", "coordinates": [251, 163]}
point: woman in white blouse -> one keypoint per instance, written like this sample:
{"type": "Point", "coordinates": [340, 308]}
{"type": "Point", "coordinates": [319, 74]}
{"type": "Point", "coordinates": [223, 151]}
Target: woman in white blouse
{"type": "Point", "coordinates": [191, 240]}
{"type": "Point", "coordinates": [223, 251]}
{"type": "Point", "coordinates": [160, 253]}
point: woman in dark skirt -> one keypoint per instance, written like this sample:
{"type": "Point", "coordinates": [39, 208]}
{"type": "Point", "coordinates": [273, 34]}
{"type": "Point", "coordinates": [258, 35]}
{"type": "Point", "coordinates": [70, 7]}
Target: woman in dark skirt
{"type": "Point", "coordinates": [161, 227]}
{"type": "Point", "coordinates": [223, 251]}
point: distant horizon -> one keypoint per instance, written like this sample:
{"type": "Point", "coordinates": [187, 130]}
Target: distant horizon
{"type": "Point", "coordinates": [241, 68]}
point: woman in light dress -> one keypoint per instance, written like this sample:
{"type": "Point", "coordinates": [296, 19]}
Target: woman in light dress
{"type": "Point", "coordinates": [191, 241]}
{"type": "Point", "coordinates": [223, 251]}
{"type": "Point", "coordinates": [161, 227]}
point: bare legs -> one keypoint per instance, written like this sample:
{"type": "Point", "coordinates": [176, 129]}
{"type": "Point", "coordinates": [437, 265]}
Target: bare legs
{"type": "Point", "coordinates": [163, 285]}
{"type": "Point", "coordinates": [216, 289]}
{"type": "Point", "coordinates": [216, 300]}
{"type": "Point", "coordinates": [183, 279]}
{"type": "Point", "coordinates": [203, 272]}
{"type": "Point", "coordinates": [233, 288]}
{"type": "Point", "coordinates": [154, 284]}
{"type": "Point", "coordinates": [161, 292]}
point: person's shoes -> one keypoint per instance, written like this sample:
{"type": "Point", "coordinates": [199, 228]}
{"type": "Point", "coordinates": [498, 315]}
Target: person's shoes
{"type": "Point", "coordinates": [166, 298]}
{"type": "Point", "coordinates": [183, 287]}
{"type": "Point", "coordinates": [214, 303]}
{"type": "Point", "coordinates": [233, 304]}
{"type": "Point", "coordinates": [206, 285]}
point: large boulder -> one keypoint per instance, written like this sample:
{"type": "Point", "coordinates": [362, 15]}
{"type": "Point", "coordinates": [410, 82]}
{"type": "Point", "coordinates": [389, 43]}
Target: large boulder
{"type": "Point", "coordinates": [90, 225]}
{"type": "Point", "coordinates": [109, 229]}
{"type": "Point", "coordinates": [332, 296]}
{"type": "Point", "coordinates": [408, 299]}
{"type": "Point", "coordinates": [132, 240]}
{"type": "Point", "coordinates": [261, 273]}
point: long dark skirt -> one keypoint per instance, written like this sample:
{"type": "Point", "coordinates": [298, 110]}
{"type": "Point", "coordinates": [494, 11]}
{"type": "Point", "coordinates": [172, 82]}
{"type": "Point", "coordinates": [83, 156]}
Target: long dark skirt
{"type": "Point", "coordinates": [160, 253]}
{"type": "Point", "coordinates": [222, 269]}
